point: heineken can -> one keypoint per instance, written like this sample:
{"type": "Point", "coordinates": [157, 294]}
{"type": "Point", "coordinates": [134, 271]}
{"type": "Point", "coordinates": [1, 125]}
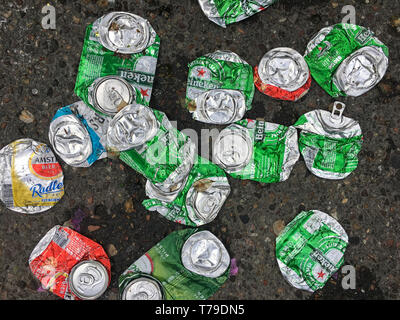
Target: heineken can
{"type": "Point", "coordinates": [346, 59]}
{"type": "Point", "coordinates": [188, 264]}
{"type": "Point", "coordinates": [219, 88]}
{"type": "Point", "coordinates": [329, 142]}
{"type": "Point", "coordinates": [283, 74]}
{"type": "Point", "coordinates": [166, 158]}
{"type": "Point", "coordinates": [310, 250]}
{"type": "Point", "coordinates": [131, 127]}
{"type": "Point", "coordinates": [88, 279]}
{"type": "Point", "coordinates": [122, 45]}
{"type": "Point", "coordinates": [78, 135]}
{"type": "Point", "coordinates": [224, 12]}
{"type": "Point", "coordinates": [198, 201]}
{"type": "Point", "coordinates": [257, 150]}
{"type": "Point", "coordinates": [31, 179]}
{"type": "Point", "coordinates": [110, 94]}
{"type": "Point", "coordinates": [70, 265]}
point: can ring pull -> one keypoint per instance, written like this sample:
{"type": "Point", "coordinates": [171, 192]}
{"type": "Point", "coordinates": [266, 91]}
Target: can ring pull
{"type": "Point", "coordinates": [338, 108]}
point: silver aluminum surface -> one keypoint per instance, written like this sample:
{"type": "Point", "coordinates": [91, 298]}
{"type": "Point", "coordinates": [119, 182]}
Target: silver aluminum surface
{"type": "Point", "coordinates": [284, 68]}
{"type": "Point", "coordinates": [131, 127]}
{"type": "Point", "coordinates": [142, 288]}
{"type": "Point", "coordinates": [88, 280]}
{"type": "Point", "coordinates": [203, 253]}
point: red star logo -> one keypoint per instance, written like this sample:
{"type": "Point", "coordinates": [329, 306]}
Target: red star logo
{"type": "Point", "coordinates": [144, 92]}
{"type": "Point", "coordinates": [321, 274]}
{"type": "Point", "coordinates": [201, 72]}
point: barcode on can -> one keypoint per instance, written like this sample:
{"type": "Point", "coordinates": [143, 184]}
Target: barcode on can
{"type": "Point", "coordinates": [7, 195]}
{"type": "Point", "coordinates": [61, 238]}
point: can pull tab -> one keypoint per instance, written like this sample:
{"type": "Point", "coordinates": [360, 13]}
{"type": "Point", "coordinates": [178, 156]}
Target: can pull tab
{"type": "Point", "coordinates": [338, 108]}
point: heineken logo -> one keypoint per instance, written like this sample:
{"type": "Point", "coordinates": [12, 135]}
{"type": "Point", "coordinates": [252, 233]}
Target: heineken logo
{"type": "Point", "coordinates": [137, 77]}
{"type": "Point", "coordinates": [363, 36]}
{"type": "Point", "coordinates": [323, 51]}
{"type": "Point", "coordinates": [203, 84]}
{"type": "Point", "coordinates": [259, 131]}
{"type": "Point", "coordinates": [319, 257]}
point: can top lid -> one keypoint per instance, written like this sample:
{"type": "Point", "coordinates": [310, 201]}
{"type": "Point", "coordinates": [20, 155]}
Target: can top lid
{"type": "Point", "coordinates": [124, 32]}
{"type": "Point", "coordinates": [203, 253]}
{"type": "Point", "coordinates": [143, 288]}
{"type": "Point", "coordinates": [88, 279]}
{"type": "Point", "coordinates": [284, 68]}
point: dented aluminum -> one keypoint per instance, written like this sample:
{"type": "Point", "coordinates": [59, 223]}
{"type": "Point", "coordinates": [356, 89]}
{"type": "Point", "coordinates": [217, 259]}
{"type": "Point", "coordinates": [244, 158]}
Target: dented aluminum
{"type": "Point", "coordinates": [143, 288]}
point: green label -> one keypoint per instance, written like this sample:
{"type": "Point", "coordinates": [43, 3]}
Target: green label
{"type": "Point", "coordinates": [163, 262]}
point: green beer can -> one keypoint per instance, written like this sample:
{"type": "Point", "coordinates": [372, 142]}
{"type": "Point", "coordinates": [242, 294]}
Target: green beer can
{"type": "Point", "coordinates": [124, 46]}
{"type": "Point", "coordinates": [329, 142]}
{"type": "Point", "coordinates": [346, 59]}
{"type": "Point", "coordinates": [188, 264]}
{"type": "Point", "coordinates": [310, 250]}
{"type": "Point", "coordinates": [257, 150]}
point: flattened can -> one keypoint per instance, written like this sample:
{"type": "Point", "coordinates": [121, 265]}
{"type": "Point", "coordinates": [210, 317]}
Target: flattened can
{"type": "Point", "coordinates": [329, 142]}
{"type": "Point", "coordinates": [70, 265]}
{"type": "Point", "coordinates": [310, 250]}
{"type": "Point", "coordinates": [346, 59]}
{"type": "Point", "coordinates": [283, 74]}
{"type": "Point", "coordinates": [118, 44]}
{"type": "Point", "coordinates": [78, 135]}
{"type": "Point", "coordinates": [224, 12]}
{"type": "Point", "coordinates": [199, 200]}
{"type": "Point", "coordinates": [219, 88]}
{"type": "Point", "coordinates": [31, 179]}
{"type": "Point", "coordinates": [186, 265]}
{"type": "Point", "coordinates": [257, 150]}
{"type": "Point", "coordinates": [164, 159]}
{"type": "Point", "coordinates": [110, 94]}
{"type": "Point", "coordinates": [143, 287]}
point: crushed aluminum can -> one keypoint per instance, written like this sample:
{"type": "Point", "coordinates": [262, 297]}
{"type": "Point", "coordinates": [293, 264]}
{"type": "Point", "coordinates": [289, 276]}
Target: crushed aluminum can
{"type": "Point", "coordinates": [144, 287]}
{"type": "Point", "coordinates": [131, 127]}
{"type": "Point", "coordinates": [257, 150]}
{"type": "Point", "coordinates": [224, 12]}
{"type": "Point", "coordinates": [56, 261]}
{"type": "Point", "coordinates": [283, 74]}
{"type": "Point", "coordinates": [163, 265]}
{"type": "Point", "coordinates": [199, 199]}
{"type": "Point", "coordinates": [88, 280]}
{"type": "Point", "coordinates": [119, 44]}
{"type": "Point", "coordinates": [329, 142]}
{"type": "Point", "coordinates": [78, 135]}
{"type": "Point", "coordinates": [346, 59]}
{"type": "Point", "coordinates": [166, 158]}
{"type": "Point", "coordinates": [31, 179]}
{"type": "Point", "coordinates": [219, 88]}
{"type": "Point", "coordinates": [310, 250]}
{"type": "Point", "coordinates": [110, 94]}
{"type": "Point", "coordinates": [204, 254]}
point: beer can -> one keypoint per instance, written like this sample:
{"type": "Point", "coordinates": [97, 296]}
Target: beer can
{"type": "Point", "coordinates": [257, 150]}
{"type": "Point", "coordinates": [283, 74]}
{"type": "Point", "coordinates": [161, 274]}
{"type": "Point", "coordinates": [78, 135]}
{"type": "Point", "coordinates": [131, 127]}
{"type": "Point", "coordinates": [226, 12]}
{"type": "Point", "coordinates": [31, 179]}
{"type": "Point", "coordinates": [346, 59]}
{"type": "Point", "coordinates": [144, 287]}
{"type": "Point", "coordinates": [198, 201]}
{"type": "Point", "coordinates": [310, 250]}
{"type": "Point", "coordinates": [88, 280]}
{"type": "Point", "coordinates": [123, 45]}
{"type": "Point", "coordinates": [329, 142]}
{"type": "Point", "coordinates": [219, 88]}
{"type": "Point", "coordinates": [70, 265]}
{"type": "Point", "coordinates": [110, 94]}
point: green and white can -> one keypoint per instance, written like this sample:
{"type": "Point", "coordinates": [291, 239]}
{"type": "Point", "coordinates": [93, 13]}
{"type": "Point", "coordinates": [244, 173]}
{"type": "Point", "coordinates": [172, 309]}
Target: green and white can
{"type": "Point", "coordinates": [257, 150]}
{"type": "Point", "coordinates": [346, 59]}
{"type": "Point", "coordinates": [329, 142]}
{"type": "Point", "coordinates": [310, 250]}
{"type": "Point", "coordinates": [199, 200]}
{"type": "Point", "coordinates": [188, 264]}
{"type": "Point", "coordinates": [118, 44]}
{"type": "Point", "coordinates": [220, 88]}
